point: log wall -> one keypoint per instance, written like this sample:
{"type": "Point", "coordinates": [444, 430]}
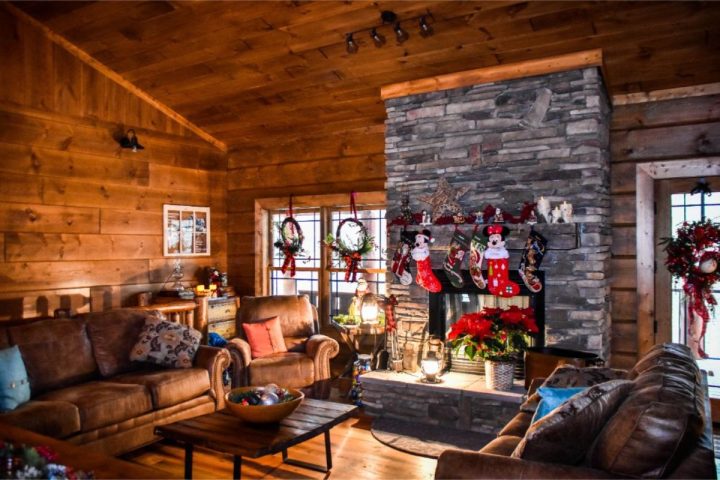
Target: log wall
{"type": "Point", "coordinates": [80, 218]}
{"type": "Point", "coordinates": [646, 132]}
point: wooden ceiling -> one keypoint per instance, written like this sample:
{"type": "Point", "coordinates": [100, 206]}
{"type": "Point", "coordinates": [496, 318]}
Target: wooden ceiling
{"type": "Point", "coordinates": [259, 73]}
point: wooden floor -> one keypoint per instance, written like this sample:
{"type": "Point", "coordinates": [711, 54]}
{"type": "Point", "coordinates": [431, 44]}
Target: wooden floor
{"type": "Point", "coordinates": [356, 454]}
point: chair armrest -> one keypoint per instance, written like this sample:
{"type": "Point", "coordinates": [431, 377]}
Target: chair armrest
{"type": "Point", "coordinates": [464, 464]}
{"type": "Point", "coordinates": [241, 357]}
{"type": "Point", "coordinates": [215, 361]}
{"type": "Point", "coordinates": [321, 349]}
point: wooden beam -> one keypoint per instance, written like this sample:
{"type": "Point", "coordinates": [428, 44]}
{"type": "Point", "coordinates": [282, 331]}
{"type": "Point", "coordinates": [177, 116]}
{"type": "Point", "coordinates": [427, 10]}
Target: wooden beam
{"type": "Point", "coordinates": [559, 63]}
{"type": "Point", "coordinates": [668, 94]}
{"type": "Point", "coordinates": [114, 76]}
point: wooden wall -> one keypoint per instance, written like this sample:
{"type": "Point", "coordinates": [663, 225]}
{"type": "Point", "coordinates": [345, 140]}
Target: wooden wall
{"type": "Point", "coordinates": [353, 160]}
{"type": "Point", "coordinates": [645, 132]}
{"type": "Point", "coordinates": [81, 219]}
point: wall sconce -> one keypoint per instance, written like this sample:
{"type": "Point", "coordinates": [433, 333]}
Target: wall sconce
{"type": "Point", "coordinates": [390, 18]}
{"type": "Point", "coordinates": [130, 141]}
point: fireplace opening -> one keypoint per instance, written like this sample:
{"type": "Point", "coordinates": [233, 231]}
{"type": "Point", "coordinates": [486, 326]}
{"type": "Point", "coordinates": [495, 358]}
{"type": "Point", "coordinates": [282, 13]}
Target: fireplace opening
{"type": "Point", "coordinates": [448, 305]}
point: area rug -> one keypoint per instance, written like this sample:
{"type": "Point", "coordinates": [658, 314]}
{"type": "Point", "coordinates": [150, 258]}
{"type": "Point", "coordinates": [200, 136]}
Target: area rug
{"type": "Point", "coordinates": [425, 440]}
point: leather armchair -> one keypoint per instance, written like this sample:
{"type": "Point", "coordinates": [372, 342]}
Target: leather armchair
{"type": "Point", "coordinates": [305, 365]}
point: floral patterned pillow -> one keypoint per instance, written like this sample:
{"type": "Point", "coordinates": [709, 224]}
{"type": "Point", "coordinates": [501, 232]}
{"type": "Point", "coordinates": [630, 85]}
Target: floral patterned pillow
{"type": "Point", "coordinates": [166, 343]}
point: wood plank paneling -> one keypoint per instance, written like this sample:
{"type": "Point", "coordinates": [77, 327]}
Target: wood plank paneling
{"type": "Point", "coordinates": [80, 218]}
{"type": "Point", "coordinates": [643, 132]}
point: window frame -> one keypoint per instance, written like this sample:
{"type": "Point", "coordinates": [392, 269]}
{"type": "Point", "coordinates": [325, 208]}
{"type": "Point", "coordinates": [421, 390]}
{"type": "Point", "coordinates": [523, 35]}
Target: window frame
{"type": "Point", "coordinates": [265, 207]}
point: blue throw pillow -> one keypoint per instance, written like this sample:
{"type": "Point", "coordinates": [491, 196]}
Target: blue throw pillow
{"type": "Point", "coordinates": [14, 383]}
{"type": "Point", "coordinates": [551, 398]}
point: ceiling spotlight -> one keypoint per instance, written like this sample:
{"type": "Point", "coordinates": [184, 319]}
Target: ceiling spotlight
{"type": "Point", "coordinates": [130, 140]}
{"type": "Point", "coordinates": [377, 39]}
{"type": "Point", "coordinates": [351, 45]}
{"type": "Point", "coordinates": [388, 16]}
{"type": "Point", "coordinates": [400, 34]}
{"type": "Point", "coordinates": [425, 29]}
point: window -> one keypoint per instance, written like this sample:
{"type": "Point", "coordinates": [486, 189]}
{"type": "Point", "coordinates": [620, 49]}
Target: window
{"type": "Point", "coordinates": [320, 274]}
{"type": "Point", "coordinates": [674, 207]}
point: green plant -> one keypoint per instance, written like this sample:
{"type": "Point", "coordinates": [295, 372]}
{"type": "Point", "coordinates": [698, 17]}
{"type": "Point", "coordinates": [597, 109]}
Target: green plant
{"type": "Point", "coordinates": [493, 333]}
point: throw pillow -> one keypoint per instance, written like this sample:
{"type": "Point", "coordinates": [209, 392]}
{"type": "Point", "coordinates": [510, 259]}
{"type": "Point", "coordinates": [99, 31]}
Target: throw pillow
{"type": "Point", "coordinates": [566, 434]}
{"type": "Point", "coordinates": [551, 398]}
{"type": "Point", "coordinates": [571, 376]}
{"type": "Point", "coordinates": [265, 337]}
{"type": "Point", "coordinates": [14, 383]}
{"type": "Point", "coordinates": [166, 343]}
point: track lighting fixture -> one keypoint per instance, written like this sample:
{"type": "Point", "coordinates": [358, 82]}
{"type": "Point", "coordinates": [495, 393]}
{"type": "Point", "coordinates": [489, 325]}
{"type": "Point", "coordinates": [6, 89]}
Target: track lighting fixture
{"type": "Point", "coordinates": [350, 44]}
{"type": "Point", "coordinates": [390, 20]}
{"type": "Point", "coordinates": [377, 39]}
{"type": "Point", "coordinates": [425, 29]}
{"type": "Point", "coordinates": [400, 34]}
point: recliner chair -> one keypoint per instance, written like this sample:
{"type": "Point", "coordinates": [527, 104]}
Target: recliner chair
{"type": "Point", "coordinates": [305, 365]}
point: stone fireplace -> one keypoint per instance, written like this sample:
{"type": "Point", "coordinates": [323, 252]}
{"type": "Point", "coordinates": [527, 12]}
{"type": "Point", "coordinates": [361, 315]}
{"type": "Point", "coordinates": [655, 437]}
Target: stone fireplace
{"type": "Point", "coordinates": [512, 142]}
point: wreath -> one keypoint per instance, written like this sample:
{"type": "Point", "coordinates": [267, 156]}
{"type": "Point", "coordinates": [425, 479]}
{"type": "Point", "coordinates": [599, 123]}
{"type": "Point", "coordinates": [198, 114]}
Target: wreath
{"type": "Point", "coordinates": [693, 257]}
{"type": "Point", "coordinates": [351, 254]}
{"type": "Point", "coordinates": [290, 243]}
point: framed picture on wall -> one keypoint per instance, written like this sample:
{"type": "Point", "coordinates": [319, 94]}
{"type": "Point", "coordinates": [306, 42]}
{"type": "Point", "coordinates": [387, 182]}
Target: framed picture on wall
{"type": "Point", "coordinates": [186, 231]}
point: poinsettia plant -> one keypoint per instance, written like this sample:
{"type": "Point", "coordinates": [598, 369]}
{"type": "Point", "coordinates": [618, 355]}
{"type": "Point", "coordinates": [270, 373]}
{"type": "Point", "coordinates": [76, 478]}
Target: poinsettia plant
{"type": "Point", "coordinates": [493, 333]}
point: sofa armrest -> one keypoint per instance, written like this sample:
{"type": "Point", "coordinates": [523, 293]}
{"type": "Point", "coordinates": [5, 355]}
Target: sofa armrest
{"type": "Point", "coordinates": [241, 357]}
{"type": "Point", "coordinates": [215, 361]}
{"type": "Point", "coordinates": [464, 464]}
{"type": "Point", "coordinates": [321, 349]}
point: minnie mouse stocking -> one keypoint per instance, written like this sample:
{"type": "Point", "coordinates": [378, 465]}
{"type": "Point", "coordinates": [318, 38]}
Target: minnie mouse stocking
{"type": "Point", "coordinates": [421, 254]}
{"type": "Point", "coordinates": [497, 256]}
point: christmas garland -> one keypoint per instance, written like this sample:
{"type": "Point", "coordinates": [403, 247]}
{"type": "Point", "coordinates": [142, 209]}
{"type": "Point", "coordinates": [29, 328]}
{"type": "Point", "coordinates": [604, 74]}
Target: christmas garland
{"type": "Point", "coordinates": [291, 246]}
{"type": "Point", "coordinates": [351, 256]}
{"type": "Point", "coordinates": [693, 257]}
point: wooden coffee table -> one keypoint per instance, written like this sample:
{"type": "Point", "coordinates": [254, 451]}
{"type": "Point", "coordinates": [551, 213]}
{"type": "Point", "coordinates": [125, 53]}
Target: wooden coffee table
{"type": "Point", "coordinates": [223, 432]}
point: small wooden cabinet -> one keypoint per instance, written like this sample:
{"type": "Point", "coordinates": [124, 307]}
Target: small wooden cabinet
{"type": "Point", "coordinates": [221, 316]}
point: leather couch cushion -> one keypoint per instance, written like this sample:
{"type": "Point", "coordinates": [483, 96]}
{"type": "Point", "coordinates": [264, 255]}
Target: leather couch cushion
{"type": "Point", "coordinates": [295, 313]}
{"type": "Point", "coordinates": [52, 418]}
{"type": "Point", "coordinates": [518, 425]}
{"type": "Point", "coordinates": [104, 403]}
{"type": "Point", "coordinates": [57, 353]}
{"type": "Point", "coordinates": [659, 421]}
{"type": "Point", "coordinates": [170, 387]}
{"type": "Point", "coordinates": [285, 369]}
{"type": "Point", "coordinates": [566, 434]}
{"type": "Point", "coordinates": [113, 335]}
{"type": "Point", "coordinates": [503, 445]}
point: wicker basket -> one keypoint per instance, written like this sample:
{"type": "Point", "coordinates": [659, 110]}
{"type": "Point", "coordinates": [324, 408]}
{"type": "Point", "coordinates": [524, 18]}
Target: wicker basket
{"type": "Point", "coordinates": [499, 375]}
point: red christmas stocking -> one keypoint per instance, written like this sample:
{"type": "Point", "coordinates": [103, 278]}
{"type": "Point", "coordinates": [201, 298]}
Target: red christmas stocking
{"type": "Point", "coordinates": [498, 282]}
{"type": "Point", "coordinates": [425, 276]}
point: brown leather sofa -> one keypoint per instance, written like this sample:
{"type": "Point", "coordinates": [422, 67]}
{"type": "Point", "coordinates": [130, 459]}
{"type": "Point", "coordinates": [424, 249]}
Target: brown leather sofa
{"type": "Point", "coordinates": [661, 429]}
{"type": "Point", "coordinates": [85, 389]}
{"type": "Point", "coordinates": [305, 365]}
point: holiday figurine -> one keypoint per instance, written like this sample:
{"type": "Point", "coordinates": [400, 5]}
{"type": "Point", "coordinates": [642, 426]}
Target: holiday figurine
{"type": "Point", "coordinates": [556, 215]}
{"type": "Point", "coordinates": [425, 218]}
{"type": "Point", "coordinates": [497, 256]}
{"type": "Point", "coordinates": [498, 218]}
{"type": "Point", "coordinates": [421, 254]}
{"type": "Point", "coordinates": [566, 212]}
{"type": "Point", "coordinates": [401, 258]}
{"type": "Point", "coordinates": [543, 208]}
{"type": "Point", "coordinates": [405, 211]}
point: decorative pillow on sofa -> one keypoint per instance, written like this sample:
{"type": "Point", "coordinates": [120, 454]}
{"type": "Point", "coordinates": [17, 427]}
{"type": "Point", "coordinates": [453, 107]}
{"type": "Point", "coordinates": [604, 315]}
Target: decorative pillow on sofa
{"type": "Point", "coordinates": [14, 383]}
{"type": "Point", "coordinates": [566, 434]}
{"type": "Point", "coordinates": [265, 337]}
{"type": "Point", "coordinates": [166, 343]}
{"type": "Point", "coordinates": [551, 398]}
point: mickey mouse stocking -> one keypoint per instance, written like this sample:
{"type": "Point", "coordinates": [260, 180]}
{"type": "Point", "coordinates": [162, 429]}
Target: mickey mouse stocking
{"type": "Point", "coordinates": [421, 254]}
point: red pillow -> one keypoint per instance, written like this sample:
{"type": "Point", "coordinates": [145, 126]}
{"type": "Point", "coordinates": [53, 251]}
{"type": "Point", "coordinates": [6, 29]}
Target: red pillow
{"type": "Point", "coordinates": [265, 337]}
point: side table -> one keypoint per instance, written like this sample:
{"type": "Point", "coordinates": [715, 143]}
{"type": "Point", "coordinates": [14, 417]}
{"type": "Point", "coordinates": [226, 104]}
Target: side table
{"type": "Point", "coordinates": [352, 336]}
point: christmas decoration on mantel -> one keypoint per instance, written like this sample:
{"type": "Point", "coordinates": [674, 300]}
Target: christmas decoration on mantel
{"type": "Point", "coordinates": [421, 254]}
{"type": "Point", "coordinates": [351, 242]}
{"type": "Point", "coordinates": [693, 257]}
{"type": "Point", "coordinates": [445, 200]}
{"type": "Point", "coordinates": [291, 240]}
{"type": "Point", "coordinates": [498, 260]}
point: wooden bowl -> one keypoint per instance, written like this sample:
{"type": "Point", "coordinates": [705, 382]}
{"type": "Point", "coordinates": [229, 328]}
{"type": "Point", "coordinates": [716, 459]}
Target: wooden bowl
{"type": "Point", "coordinates": [263, 413]}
